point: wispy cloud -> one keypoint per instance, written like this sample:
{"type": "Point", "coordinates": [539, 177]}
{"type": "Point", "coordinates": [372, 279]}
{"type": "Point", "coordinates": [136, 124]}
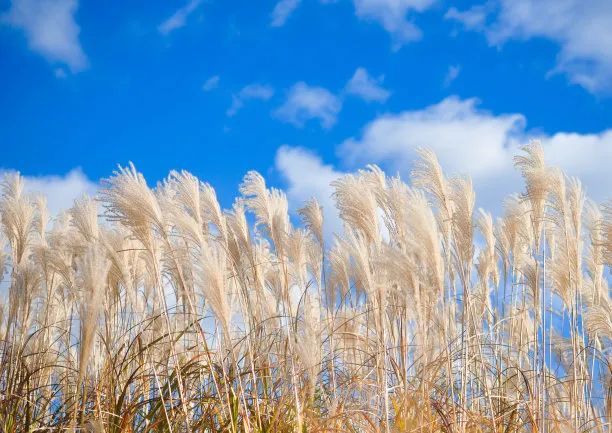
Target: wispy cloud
{"type": "Point", "coordinates": [60, 73]}
{"type": "Point", "coordinates": [252, 91]}
{"type": "Point", "coordinates": [451, 74]}
{"type": "Point", "coordinates": [306, 102]}
{"type": "Point", "coordinates": [50, 28]}
{"type": "Point", "coordinates": [179, 18]}
{"type": "Point", "coordinates": [583, 31]}
{"type": "Point", "coordinates": [366, 87]}
{"type": "Point", "coordinates": [211, 83]}
{"type": "Point", "coordinates": [473, 18]}
{"type": "Point", "coordinates": [394, 16]}
{"type": "Point", "coordinates": [282, 11]}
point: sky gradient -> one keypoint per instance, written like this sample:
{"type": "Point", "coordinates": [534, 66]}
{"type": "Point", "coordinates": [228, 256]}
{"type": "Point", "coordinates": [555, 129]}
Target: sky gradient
{"type": "Point", "coordinates": [302, 91]}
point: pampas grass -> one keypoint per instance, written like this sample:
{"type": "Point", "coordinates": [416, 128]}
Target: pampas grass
{"type": "Point", "coordinates": [153, 310]}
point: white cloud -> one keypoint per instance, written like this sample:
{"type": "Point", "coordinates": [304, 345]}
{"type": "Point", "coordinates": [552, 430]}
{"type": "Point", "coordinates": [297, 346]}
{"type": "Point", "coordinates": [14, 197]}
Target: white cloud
{"type": "Point", "coordinates": [252, 91]}
{"type": "Point", "coordinates": [366, 87]}
{"type": "Point", "coordinates": [466, 139]}
{"type": "Point", "coordinates": [50, 28]}
{"type": "Point", "coordinates": [451, 74]}
{"type": "Point", "coordinates": [306, 102]}
{"type": "Point", "coordinates": [473, 18]}
{"type": "Point", "coordinates": [211, 83]}
{"type": "Point", "coordinates": [586, 156]}
{"type": "Point", "coordinates": [282, 11]}
{"type": "Point", "coordinates": [179, 18]}
{"type": "Point", "coordinates": [469, 140]}
{"type": "Point", "coordinates": [393, 16]}
{"type": "Point", "coordinates": [308, 177]}
{"type": "Point", "coordinates": [583, 30]}
{"type": "Point", "coordinates": [60, 191]}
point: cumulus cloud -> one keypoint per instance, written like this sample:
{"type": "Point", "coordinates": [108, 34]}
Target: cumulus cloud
{"type": "Point", "coordinates": [179, 18]}
{"type": "Point", "coordinates": [60, 191]}
{"type": "Point", "coordinates": [306, 102]}
{"type": "Point", "coordinates": [211, 83]}
{"type": "Point", "coordinates": [364, 86]}
{"type": "Point", "coordinates": [50, 29]}
{"type": "Point", "coordinates": [393, 15]}
{"type": "Point", "coordinates": [468, 141]}
{"type": "Point", "coordinates": [252, 91]}
{"type": "Point", "coordinates": [308, 177]}
{"type": "Point", "coordinates": [466, 138]}
{"type": "Point", "coordinates": [583, 31]}
{"type": "Point", "coordinates": [282, 11]}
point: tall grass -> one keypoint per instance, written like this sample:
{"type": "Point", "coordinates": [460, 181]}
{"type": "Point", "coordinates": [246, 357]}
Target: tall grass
{"type": "Point", "coordinates": [154, 310]}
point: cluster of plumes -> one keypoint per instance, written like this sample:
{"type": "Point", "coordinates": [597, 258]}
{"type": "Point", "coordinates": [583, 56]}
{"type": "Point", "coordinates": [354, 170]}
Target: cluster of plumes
{"type": "Point", "coordinates": [155, 310]}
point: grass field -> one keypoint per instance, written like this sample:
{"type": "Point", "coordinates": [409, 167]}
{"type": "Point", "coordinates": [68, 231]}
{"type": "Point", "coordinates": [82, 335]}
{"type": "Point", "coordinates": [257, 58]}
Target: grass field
{"type": "Point", "coordinates": [154, 310]}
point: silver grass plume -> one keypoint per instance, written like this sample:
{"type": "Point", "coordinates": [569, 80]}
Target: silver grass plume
{"type": "Point", "coordinates": [91, 281]}
{"type": "Point", "coordinates": [312, 215]}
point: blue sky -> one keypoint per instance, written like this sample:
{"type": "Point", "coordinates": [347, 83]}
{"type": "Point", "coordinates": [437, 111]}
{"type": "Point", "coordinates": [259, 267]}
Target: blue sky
{"type": "Point", "coordinates": [302, 91]}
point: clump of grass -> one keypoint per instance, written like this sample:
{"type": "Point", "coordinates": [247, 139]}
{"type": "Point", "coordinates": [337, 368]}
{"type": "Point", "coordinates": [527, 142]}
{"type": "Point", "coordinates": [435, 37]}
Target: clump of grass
{"type": "Point", "coordinates": [150, 310]}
